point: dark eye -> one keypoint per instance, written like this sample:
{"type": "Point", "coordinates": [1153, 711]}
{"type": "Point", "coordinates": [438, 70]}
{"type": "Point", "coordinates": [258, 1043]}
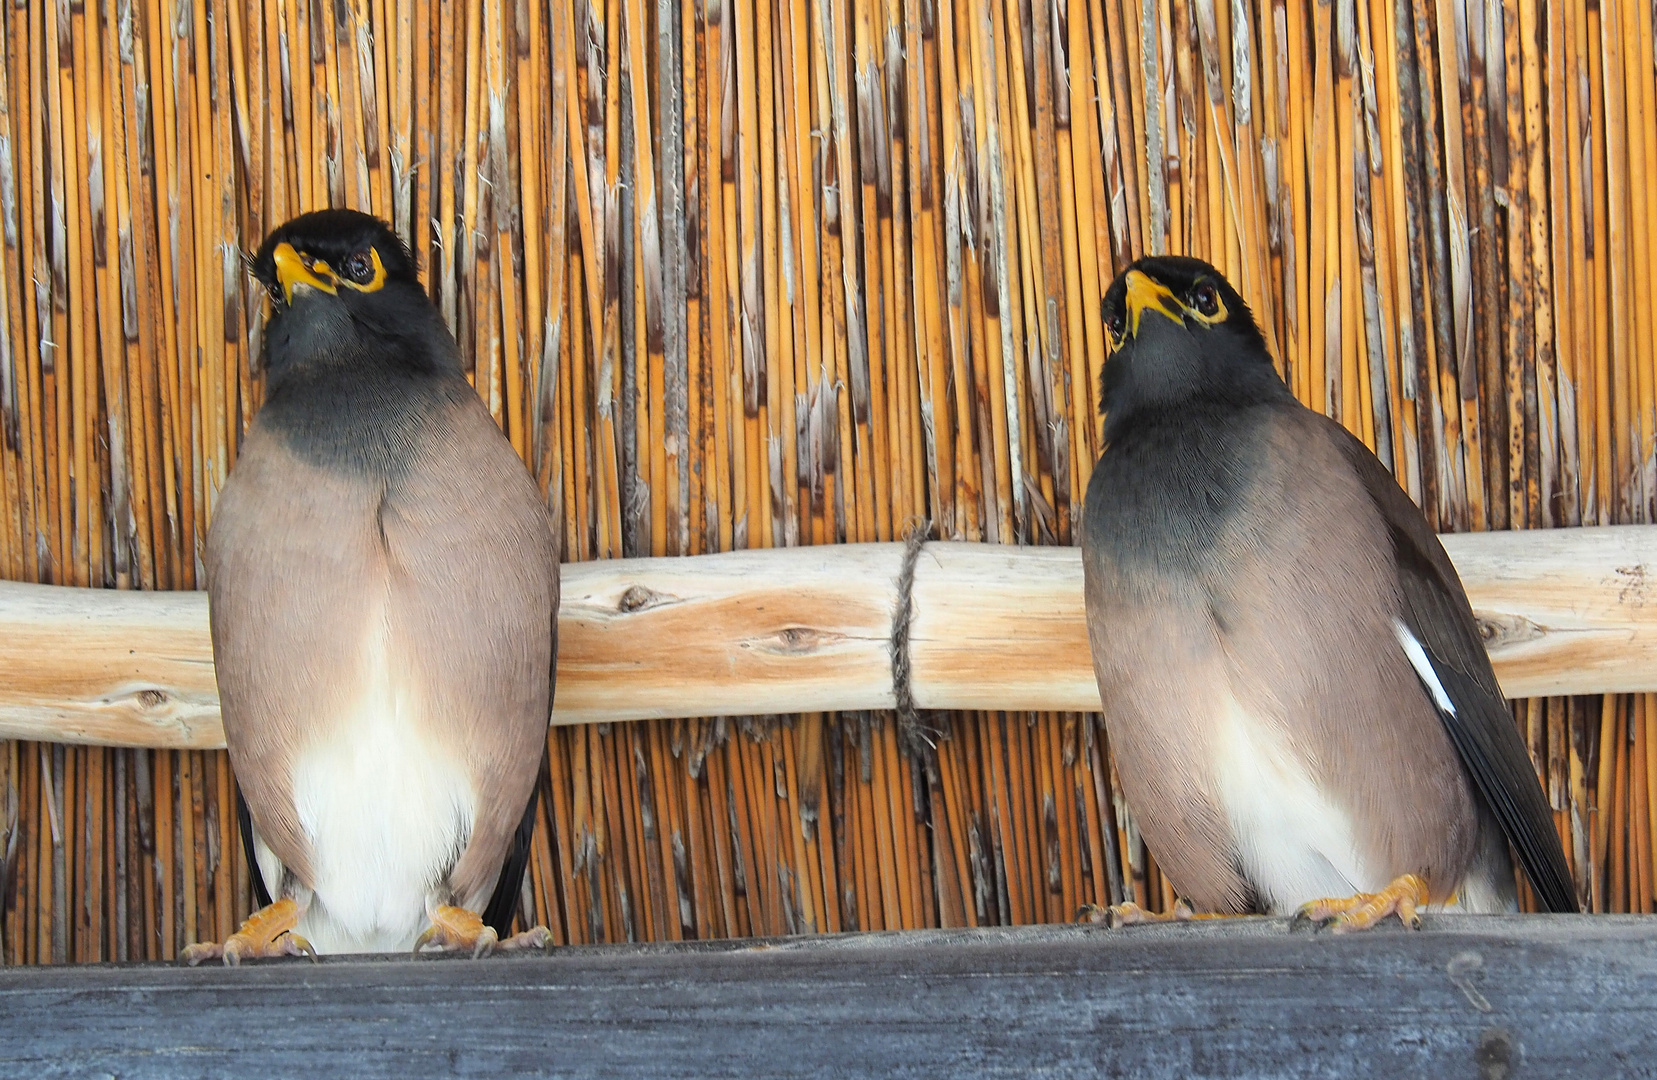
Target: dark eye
{"type": "Point", "coordinates": [359, 267]}
{"type": "Point", "coordinates": [1206, 299]}
{"type": "Point", "coordinates": [1114, 324]}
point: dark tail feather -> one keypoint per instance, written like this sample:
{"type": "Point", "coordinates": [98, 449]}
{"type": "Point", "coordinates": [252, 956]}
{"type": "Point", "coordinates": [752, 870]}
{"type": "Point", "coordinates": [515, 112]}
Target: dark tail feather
{"type": "Point", "coordinates": [503, 904]}
{"type": "Point", "coordinates": [244, 817]}
{"type": "Point", "coordinates": [1495, 757]}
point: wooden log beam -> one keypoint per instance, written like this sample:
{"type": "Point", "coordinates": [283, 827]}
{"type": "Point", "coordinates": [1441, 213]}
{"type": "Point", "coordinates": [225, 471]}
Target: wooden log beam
{"type": "Point", "coordinates": [804, 629]}
{"type": "Point", "coordinates": [1467, 996]}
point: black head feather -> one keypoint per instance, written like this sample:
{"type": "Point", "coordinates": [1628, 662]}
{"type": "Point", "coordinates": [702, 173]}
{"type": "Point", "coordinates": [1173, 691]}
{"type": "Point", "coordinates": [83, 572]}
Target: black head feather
{"type": "Point", "coordinates": [371, 311]}
{"type": "Point", "coordinates": [333, 236]}
{"type": "Point", "coordinates": [1213, 351]}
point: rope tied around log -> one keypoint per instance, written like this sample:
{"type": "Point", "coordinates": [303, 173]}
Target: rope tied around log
{"type": "Point", "coordinates": [916, 736]}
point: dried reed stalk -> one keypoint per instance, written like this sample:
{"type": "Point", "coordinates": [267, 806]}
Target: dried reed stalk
{"type": "Point", "coordinates": [733, 275]}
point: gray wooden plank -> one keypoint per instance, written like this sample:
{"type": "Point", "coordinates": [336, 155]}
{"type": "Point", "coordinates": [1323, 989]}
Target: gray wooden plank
{"type": "Point", "coordinates": [1523, 996]}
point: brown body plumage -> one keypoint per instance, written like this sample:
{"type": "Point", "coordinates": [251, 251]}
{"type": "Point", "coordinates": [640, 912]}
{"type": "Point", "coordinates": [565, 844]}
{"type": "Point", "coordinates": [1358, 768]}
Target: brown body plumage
{"type": "Point", "coordinates": [384, 590]}
{"type": "Point", "coordinates": [1293, 684]}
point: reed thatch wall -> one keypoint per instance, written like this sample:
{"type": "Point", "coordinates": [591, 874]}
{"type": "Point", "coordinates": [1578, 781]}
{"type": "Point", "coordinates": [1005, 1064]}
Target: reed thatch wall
{"type": "Point", "coordinates": [735, 274]}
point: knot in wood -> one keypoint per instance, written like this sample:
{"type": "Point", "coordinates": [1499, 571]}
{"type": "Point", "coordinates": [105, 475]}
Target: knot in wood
{"type": "Point", "coordinates": [636, 598]}
{"type": "Point", "coordinates": [152, 698]}
{"type": "Point", "coordinates": [1498, 631]}
{"type": "Point", "coordinates": [798, 639]}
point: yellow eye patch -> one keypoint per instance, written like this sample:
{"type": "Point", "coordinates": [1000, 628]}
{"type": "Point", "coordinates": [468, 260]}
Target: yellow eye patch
{"type": "Point", "coordinates": [1206, 295]}
{"type": "Point", "coordinates": [376, 280]}
{"type": "Point", "coordinates": [1144, 293]}
{"type": "Point", "coordinates": [294, 268]}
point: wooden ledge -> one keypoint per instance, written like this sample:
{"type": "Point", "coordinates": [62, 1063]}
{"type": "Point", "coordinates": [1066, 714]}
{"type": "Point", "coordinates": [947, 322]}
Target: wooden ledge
{"type": "Point", "coordinates": [1546, 995]}
{"type": "Point", "coordinates": [1567, 611]}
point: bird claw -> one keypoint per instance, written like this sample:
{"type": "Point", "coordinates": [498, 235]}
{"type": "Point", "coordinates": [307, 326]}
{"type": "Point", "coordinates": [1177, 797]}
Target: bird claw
{"type": "Point", "coordinates": [456, 929]}
{"type": "Point", "coordinates": [486, 943]}
{"type": "Point", "coordinates": [536, 937]}
{"type": "Point", "coordinates": [267, 933]}
{"type": "Point", "coordinates": [1131, 914]}
{"type": "Point", "coordinates": [1361, 911]}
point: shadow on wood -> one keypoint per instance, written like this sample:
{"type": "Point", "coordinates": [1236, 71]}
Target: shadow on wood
{"type": "Point", "coordinates": [1468, 996]}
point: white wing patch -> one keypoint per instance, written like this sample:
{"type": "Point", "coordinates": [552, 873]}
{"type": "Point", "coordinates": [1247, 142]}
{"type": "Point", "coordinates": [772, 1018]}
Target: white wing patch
{"type": "Point", "coordinates": [1423, 667]}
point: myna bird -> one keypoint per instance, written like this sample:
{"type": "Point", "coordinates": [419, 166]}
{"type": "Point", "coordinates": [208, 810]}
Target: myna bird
{"type": "Point", "coordinates": [383, 591]}
{"type": "Point", "coordinates": [1302, 711]}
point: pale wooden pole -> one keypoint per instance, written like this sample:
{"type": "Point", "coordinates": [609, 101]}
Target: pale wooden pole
{"type": "Point", "coordinates": [1568, 611]}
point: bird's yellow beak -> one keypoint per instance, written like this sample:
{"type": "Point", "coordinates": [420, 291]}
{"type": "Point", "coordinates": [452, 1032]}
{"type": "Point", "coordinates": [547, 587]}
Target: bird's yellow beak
{"type": "Point", "coordinates": [1147, 294]}
{"type": "Point", "coordinates": [294, 270]}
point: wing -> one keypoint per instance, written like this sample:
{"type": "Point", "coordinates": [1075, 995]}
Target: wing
{"type": "Point", "coordinates": [475, 602]}
{"type": "Point", "coordinates": [1458, 675]}
{"type": "Point", "coordinates": [288, 580]}
{"type": "Point", "coordinates": [504, 901]}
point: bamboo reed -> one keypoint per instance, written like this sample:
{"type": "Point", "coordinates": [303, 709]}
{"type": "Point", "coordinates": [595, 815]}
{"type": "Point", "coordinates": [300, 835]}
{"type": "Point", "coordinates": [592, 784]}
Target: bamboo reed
{"type": "Point", "coordinates": [731, 275]}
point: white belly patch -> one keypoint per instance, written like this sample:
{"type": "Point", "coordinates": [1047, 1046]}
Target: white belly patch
{"type": "Point", "coordinates": [1294, 843]}
{"type": "Point", "coordinates": [385, 812]}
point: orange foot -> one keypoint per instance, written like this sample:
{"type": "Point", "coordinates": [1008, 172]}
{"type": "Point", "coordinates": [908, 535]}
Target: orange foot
{"type": "Point", "coordinates": [267, 932]}
{"type": "Point", "coordinates": [456, 929]}
{"type": "Point", "coordinates": [1130, 914]}
{"type": "Point", "coordinates": [1364, 910]}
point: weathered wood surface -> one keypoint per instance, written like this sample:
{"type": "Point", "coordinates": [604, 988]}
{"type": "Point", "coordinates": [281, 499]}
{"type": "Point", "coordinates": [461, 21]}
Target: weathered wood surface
{"type": "Point", "coordinates": [1568, 611]}
{"type": "Point", "coordinates": [1517, 996]}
